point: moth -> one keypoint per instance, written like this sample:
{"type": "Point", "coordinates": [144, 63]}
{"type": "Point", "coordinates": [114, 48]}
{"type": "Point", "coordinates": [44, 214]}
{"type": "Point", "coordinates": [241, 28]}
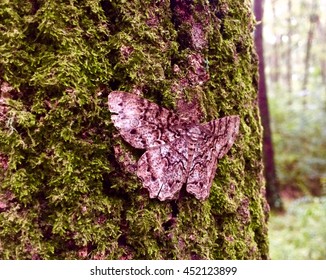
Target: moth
{"type": "Point", "coordinates": [178, 151]}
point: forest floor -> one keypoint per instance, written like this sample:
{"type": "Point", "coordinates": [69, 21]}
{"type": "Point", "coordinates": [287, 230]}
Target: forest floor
{"type": "Point", "coordinates": [300, 232]}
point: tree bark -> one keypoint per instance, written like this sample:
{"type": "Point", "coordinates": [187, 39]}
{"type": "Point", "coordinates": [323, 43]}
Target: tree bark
{"type": "Point", "coordinates": [71, 196]}
{"type": "Point", "coordinates": [272, 188]}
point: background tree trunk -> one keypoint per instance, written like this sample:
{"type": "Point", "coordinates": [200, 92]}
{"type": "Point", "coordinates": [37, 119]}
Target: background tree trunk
{"type": "Point", "coordinates": [289, 53]}
{"type": "Point", "coordinates": [272, 187]}
{"type": "Point", "coordinates": [64, 194]}
{"type": "Point", "coordinates": [275, 59]}
{"type": "Point", "coordinates": [313, 22]}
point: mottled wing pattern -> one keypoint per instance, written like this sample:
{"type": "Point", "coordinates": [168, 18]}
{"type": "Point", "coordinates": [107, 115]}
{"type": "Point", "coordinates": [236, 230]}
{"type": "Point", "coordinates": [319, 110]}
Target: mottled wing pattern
{"type": "Point", "coordinates": [142, 123]}
{"type": "Point", "coordinates": [202, 170]}
{"type": "Point", "coordinates": [163, 169]}
{"type": "Point", "coordinates": [217, 138]}
{"type": "Point", "coordinates": [176, 152]}
{"type": "Point", "coordinates": [225, 131]}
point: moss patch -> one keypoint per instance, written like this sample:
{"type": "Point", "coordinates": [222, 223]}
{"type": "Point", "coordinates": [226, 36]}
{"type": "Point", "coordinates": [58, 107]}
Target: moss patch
{"type": "Point", "coordinates": [70, 198]}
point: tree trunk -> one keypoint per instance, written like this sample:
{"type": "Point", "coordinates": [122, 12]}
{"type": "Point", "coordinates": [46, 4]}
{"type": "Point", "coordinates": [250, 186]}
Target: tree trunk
{"type": "Point", "coordinates": [65, 193]}
{"type": "Point", "coordinates": [289, 54]}
{"type": "Point", "coordinates": [275, 56]}
{"type": "Point", "coordinates": [313, 21]}
{"type": "Point", "coordinates": [272, 188]}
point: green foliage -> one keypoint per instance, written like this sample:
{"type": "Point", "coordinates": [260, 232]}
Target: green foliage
{"type": "Point", "coordinates": [63, 195]}
{"type": "Point", "coordinates": [300, 143]}
{"type": "Point", "coordinates": [296, 89]}
{"type": "Point", "coordinates": [301, 232]}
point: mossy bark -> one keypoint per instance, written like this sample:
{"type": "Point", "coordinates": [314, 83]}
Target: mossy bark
{"type": "Point", "coordinates": [63, 193]}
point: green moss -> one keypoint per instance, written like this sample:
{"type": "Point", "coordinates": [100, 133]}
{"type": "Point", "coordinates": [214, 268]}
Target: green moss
{"type": "Point", "coordinates": [70, 195]}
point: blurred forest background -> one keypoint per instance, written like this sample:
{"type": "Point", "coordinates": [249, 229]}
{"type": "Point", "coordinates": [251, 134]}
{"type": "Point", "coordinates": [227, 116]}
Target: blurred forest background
{"type": "Point", "coordinates": [294, 48]}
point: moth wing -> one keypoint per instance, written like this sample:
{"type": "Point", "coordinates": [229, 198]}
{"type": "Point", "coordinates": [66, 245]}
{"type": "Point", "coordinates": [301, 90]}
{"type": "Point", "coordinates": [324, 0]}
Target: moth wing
{"type": "Point", "coordinates": [215, 143]}
{"type": "Point", "coordinates": [202, 170]}
{"type": "Point", "coordinates": [141, 123]}
{"type": "Point", "coordinates": [223, 131]}
{"type": "Point", "coordinates": [163, 169]}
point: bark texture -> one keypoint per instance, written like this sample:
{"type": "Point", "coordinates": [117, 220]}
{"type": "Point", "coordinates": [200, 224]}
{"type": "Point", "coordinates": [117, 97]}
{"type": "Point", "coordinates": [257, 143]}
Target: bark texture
{"type": "Point", "coordinates": [65, 193]}
{"type": "Point", "coordinates": [272, 186]}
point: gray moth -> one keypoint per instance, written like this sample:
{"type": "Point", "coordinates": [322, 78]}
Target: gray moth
{"type": "Point", "coordinates": [177, 152]}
